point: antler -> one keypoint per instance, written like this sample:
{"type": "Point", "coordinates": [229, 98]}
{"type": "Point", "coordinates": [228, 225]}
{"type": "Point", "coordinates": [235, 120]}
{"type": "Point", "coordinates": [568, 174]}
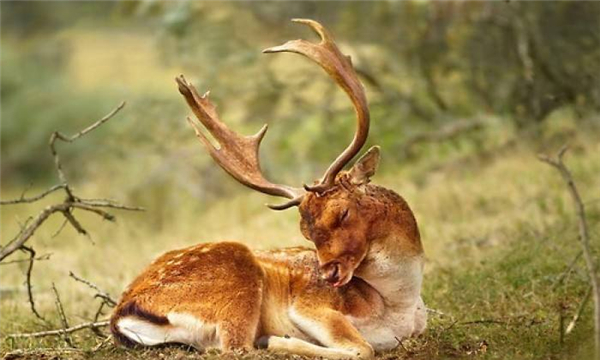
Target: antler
{"type": "Point", "coordinates": [237, 154]}
{"type": "Point", "coordinates": [327, 55]}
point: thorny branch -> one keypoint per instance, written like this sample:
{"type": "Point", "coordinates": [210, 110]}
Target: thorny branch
{"type": "Point", "coordinates": [63, 317]}
{"type": "Point", "coordinates": [67, 208]}
{"type": "Point", "coordinates": [584, 239]}
{"type": "Point", "coordinates": [99, 292]}
{"type": "Point", "coordinates": [28, 282]}
{"type": "Point", "coordinates": [71, 202]}
{"type": "Point", "coordinates": [107, 300]}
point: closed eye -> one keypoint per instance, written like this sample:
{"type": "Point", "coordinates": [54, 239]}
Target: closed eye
{"type": "Point", "coordinates": [344, 215]}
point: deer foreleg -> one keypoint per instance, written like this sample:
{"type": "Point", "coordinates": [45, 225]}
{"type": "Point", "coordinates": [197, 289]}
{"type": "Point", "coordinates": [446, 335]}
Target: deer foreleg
{"type": "Point", "coordinates": [339, 337]}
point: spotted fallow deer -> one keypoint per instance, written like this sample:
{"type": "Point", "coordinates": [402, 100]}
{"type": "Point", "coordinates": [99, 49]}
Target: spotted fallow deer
{"type": "Point", "coordinates": [357, 293]}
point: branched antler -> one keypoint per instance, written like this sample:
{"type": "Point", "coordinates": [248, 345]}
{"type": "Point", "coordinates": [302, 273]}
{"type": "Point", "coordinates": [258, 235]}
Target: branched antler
{"type": "Point", "coordinates": [327, 55]}
{"type": "Point", "coordinates": [238, 155]}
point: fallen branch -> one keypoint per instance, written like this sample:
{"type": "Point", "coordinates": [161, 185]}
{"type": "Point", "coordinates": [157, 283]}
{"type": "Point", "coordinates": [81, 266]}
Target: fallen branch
{"type": "Point", "coordinates": [60, 332]}
{"type": "Point", "coordinates": [568, 270]}
{"type": "Point", "coordinates": [28, 282]}
{"type": "Point", "coordinates": [584, 238]}
{"type": "Point", "coordinates": [100, 293]}
{"type": "Point", "coordinates": [71, 202]}
{"type": "Point", "coordinates": [577, 315]}
{"type": "Point", "coordinates": [63, 317]}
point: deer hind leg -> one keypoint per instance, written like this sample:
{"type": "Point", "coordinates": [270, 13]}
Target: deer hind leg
{"type": "Point", "coordinates": [339, 337]}
{"type": "Point", "coordinates": [238, 330]}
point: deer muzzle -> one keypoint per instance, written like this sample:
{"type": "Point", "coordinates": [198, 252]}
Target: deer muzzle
{"type": "Point", "coordinates": [334, 273]}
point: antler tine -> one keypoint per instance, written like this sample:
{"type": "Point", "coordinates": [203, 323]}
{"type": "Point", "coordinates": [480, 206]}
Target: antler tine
{"type": "Point", "coordinates": [237, 154]}
{"type": "Point", "coordinates": [327, 55]}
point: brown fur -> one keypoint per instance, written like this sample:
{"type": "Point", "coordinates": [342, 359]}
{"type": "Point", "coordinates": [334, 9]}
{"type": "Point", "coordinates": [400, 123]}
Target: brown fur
{"type": "Point", "coordinates": [246, 293]}
{"type": "Point", "coordinates": [358, 291]}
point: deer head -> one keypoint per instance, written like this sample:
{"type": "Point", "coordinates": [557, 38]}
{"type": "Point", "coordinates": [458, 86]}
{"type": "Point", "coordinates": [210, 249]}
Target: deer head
{"type": "Point", "coordinates": [336, 214]}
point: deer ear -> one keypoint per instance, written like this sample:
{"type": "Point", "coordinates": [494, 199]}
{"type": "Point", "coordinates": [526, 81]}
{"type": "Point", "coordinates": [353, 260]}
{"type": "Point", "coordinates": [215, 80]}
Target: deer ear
{"type": "Point", "coordinates": [365, 167]}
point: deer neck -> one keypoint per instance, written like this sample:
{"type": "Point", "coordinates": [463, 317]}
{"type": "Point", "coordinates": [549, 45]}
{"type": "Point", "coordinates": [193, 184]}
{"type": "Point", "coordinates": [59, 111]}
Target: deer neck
{"type": "Point", "coordinates": [393, 272]}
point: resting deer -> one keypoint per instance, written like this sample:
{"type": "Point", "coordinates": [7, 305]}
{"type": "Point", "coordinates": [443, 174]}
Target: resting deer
{"type": "Point", "coordinates": [359, 291]}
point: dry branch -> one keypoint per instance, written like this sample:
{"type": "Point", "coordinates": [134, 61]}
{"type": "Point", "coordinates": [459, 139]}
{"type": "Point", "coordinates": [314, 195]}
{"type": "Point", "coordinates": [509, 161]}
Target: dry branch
{"type": "Point", "coordinates": [28, 282]}
{"type": "Point", "coordinates": [60, 332]}
{"type": "Point", "coordinates": [93, 205]}
{"type": "Point", "coordinates": [99, 292]}
{"type": "Point", "coordinates": [584, 239]}
{"type": "Point", "coordinates": [23, 199]}
{"type": "Point", "coordinates": [63, 317]}
{"type": "Point", "coordinates": [18, 261]}
{"type": "Point", "coordinates": [66, 208]}
{"type": "Point", "coordinates": [577, 315]}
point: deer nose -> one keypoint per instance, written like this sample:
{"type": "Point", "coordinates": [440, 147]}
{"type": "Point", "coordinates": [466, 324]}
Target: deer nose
{"type": "Point", "coordinates": [331, 272]}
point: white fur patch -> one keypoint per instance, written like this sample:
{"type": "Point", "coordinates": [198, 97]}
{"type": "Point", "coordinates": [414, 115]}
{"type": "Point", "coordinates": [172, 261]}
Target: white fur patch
{"type": "Point", "coordinates": [188, 329]}
{"type": "Point", "coordinates": [183, 329]}
{"type": "Point", "coordinates": [143, 332]}
{"type": "Point", "coordinates": [312, 327]}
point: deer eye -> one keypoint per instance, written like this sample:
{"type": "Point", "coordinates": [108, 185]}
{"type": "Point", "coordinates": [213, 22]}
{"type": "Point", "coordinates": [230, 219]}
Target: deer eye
{"type": "Point", "coordinates": [344, 215]}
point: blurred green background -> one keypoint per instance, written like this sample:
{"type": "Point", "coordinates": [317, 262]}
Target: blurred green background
{"type": "Point", "coordinates": [424, 65]}
{"type": "Point", "coordinates": [462, 96]}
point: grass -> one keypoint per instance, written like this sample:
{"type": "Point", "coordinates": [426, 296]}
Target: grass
{"type": "Point", "coordinates": [497, 225]}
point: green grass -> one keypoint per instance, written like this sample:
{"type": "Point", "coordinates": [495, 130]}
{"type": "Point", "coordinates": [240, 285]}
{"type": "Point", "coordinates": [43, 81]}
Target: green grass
{"type": "Point", "coordinates": [497, 225]}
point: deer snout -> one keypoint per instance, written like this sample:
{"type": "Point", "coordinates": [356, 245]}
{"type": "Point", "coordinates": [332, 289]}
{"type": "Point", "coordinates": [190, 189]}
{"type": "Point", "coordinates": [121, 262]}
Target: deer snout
{"type": "Point", "coordinates": [330, 272]}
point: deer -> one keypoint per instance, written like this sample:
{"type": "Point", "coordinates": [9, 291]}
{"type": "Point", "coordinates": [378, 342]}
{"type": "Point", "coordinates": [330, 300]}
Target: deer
{"type": "Point", "coordinates": [357, 290]}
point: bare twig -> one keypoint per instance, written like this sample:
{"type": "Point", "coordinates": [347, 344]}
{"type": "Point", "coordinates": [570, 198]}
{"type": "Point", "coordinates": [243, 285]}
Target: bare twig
{"type": "Point", "coordinates": [60, 229]}
{"type": "Point", "coordinates": [60, 332]}
{"type": "Point", "coordinates": [568, 270]}
{"type": "Point", "coordinates": [70, 202]}
{"type": "Point", "coordinates": [28, 282]}
{"type": "Point", "coordinates": [71, 219]}
{"type": "Point", "coordinates": [100, 293]}
{"type": "Point", "coordinates": [436, 312]}
{"type": "Point", "coordinates": [69, 139]}
{"type": "Point", "coordinates": [96, 317]}
{"type": "Point", "coordinates": [65, 207]}
{"type": "Point", "coordinates": [584, 239]}
{"type": "Point", "coordinates": [22, 199]}
{"type": "Point", "coordinates": [577, 315]}
{"type": "Point", "coordinates": [107, 203]}
{"type": "Point", "coordinates": [102, 344]}
{"type": "Point", "coordinates": [63, 317]}
{"type": "Point", "coordinates": [30, 229]}
{"type": "Point", "coordinates": [39, 258]}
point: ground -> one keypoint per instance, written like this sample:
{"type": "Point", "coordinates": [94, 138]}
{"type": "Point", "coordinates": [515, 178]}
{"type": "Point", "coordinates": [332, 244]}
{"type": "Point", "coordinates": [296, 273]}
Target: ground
{"type": "Point", "coordinates": [498, 227]}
